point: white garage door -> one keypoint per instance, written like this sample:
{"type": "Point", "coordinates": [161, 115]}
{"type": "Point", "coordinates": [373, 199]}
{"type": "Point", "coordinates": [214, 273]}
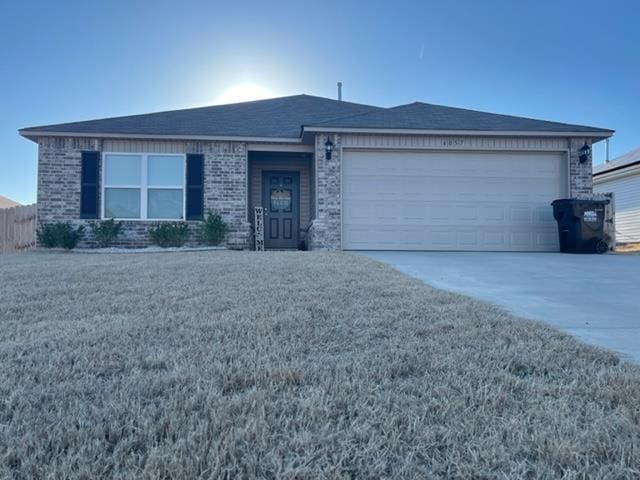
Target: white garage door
{"type": "Point", "coordinates": [451, 200]}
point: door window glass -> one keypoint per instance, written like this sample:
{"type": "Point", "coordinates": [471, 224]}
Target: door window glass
{"type": "Point", "coordinates": [280, 200]}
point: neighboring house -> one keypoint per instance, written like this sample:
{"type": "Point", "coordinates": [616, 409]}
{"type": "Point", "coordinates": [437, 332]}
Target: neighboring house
{"type": "Point", "coordinates": [622, 177]}
{"type": "Point", "coordinates": [333, 174]}
{"type": "Point", "coordinates": [7, 202]}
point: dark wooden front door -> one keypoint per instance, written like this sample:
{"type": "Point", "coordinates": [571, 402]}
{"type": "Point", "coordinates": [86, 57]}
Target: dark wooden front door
{"type": "Point", "coordinates": [281, 201]}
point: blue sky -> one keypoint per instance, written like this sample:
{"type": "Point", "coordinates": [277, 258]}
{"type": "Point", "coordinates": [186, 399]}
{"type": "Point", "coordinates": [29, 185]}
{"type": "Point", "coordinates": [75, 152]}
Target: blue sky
{"type": "Point", "coordinates": [570, 61]}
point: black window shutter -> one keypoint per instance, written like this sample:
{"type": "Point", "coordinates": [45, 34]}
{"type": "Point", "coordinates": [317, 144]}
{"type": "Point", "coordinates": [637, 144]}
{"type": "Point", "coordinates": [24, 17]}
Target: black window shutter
{"type": "Point", "coordinates": [89, 185]}
{"type": "Point", "coordinates": [195, 186]}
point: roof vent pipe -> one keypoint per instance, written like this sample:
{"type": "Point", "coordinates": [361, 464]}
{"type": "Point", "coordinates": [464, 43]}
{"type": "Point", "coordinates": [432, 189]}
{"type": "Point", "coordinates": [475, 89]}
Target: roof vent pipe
{"type": "Point", "coordinates": [606, 150]}
{"type": "Point", "coordinates": [340, 91]}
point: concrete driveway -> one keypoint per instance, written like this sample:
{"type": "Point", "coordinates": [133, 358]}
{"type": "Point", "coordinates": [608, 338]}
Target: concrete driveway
{"type": "Point", "coordinates": [594, 297]}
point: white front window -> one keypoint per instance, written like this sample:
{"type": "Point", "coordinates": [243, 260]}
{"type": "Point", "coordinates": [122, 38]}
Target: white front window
{"type": "Point", "coordinates": [143, 186]}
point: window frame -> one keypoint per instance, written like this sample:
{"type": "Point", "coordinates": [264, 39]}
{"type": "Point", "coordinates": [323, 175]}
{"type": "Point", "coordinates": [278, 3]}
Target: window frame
{"type": "Point", "coordinates": [144, 186]}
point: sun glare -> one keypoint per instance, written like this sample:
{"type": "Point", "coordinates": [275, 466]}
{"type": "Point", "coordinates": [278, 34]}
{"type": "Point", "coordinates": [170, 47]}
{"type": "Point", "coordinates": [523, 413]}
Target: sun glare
{"type": "Point", "coordinates": [244, 92]}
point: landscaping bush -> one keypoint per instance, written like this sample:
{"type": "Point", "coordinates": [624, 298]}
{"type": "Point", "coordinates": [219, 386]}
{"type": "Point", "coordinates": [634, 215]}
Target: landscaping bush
{"type": "Point", "coordinates": [169, 234]}
{"type": "Point", "coordinates": [214, 228]}
{"type": "Point", "coordinates": [106, 232]}
{"type": "Point", "coordinates": [59, 235]}
{"type": "Point", "coordinates": [47, 236]}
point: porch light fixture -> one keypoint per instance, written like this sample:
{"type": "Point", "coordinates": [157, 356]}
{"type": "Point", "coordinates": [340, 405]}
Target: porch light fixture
{"type": "Point", "coordinates": [584, 153]}
{"type": "Point", "coordinates": [328, 148]}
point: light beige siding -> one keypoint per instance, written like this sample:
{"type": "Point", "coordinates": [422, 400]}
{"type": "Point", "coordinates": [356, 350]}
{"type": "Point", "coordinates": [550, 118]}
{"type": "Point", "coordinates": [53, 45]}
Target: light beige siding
{"type": "Point", "coordinates": [143, 146]}
{"type": "Point", "coordinates": [627, 205]}
{"type": "Point", "coordinates": [453, 143]}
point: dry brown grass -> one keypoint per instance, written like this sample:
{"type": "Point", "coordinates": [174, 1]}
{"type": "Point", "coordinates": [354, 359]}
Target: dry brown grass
{"type": "Point", "coordinates": [291, 365]}
{"type": "Point", "coordinates": [628, 248]}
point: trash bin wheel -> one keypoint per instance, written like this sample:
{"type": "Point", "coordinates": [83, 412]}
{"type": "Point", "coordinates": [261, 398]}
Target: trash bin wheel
{"type": "Point", "coordinates": [602, 247]}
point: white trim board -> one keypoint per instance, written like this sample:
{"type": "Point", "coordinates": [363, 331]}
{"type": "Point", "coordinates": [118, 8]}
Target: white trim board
{"type": "Point", "coordinates": [32, 134]}
{"type": "Point", "coordinates": [477, 133]}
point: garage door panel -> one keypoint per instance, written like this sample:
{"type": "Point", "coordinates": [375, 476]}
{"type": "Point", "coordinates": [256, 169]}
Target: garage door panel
{"type": "Point", "coordinates": [493, 213]}
{"type": "Point", "coordinates": [543, 215]}
{"type": "Point", "coordinates": [521, 239]}
{"type": "Point", "coordinates": [415, 213]}
{"type": "Point", "coordinates": [494, 239]}
{"type": "Point", "coordinates": [451, 200]}
{"type": "Point", "coordinates": [369, 237]}
{"type": "Point", "coordinates": [440, 212]}
{"type": "Point", "coordinates": [520, 215]}
{"type": "Point", "coordinates": [547, 239]}
{"type": "Point", "coordinates": [439, 237]}
{"type": "Point", "coordinates": [358, 237]}
{"type": "Point", "coordinates": [355, 187]}
{"type": "Point", "coordinates": [466, 166]}
{"type": "Point", "coordinates": [467, 238]}
{"type": "Point", "coordinates": [416, 187]}
{"type": "Point", "coordinates": [465, 212]}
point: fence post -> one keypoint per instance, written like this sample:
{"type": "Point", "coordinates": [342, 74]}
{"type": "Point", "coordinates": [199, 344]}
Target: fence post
{"type": "Point", "coordinates": [610, 220]}
{"type": "Point", "coordinates": [3, 230]}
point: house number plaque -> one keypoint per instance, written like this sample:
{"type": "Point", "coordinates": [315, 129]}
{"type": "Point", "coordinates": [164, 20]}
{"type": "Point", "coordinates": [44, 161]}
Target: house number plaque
{"type": "Point", "coordinates": [453, 142]}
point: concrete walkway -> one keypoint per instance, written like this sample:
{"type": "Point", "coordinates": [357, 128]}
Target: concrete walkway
{"type": "Point", "coordinates": [594, 297]}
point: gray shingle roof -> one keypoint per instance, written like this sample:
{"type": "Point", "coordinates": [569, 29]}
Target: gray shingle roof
{"type": "Point", "coordinates": [286, 116]}
{"type": "Point", "coordinates": [278, 117]}
{"type": "Point", "coordinates": [425, 116]}
{"type": "Point", "coordinates": [626, 160]}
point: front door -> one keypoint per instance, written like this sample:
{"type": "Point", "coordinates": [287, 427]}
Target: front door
{"type": "Point", "coordinates": [281, 201]}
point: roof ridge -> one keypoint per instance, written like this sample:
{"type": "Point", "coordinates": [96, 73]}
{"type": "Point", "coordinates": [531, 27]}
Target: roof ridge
{"type": "Point", "coordinates": [334, 100]}
{"type": "Point", "coordinates": [345, 117]}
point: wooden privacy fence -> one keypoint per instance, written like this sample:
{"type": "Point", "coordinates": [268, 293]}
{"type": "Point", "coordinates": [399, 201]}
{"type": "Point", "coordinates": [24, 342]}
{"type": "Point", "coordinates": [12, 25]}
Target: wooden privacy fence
{"type": "Point", "coordinates": [17, 228]}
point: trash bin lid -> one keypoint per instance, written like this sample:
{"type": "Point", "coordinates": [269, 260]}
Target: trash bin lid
{"type": "Point", "coordinates": [578, 201]}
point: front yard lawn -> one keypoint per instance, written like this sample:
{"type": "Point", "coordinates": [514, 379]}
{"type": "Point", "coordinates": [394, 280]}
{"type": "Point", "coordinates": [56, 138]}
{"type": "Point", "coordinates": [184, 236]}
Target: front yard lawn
{"type": "Point", "coordinates": [291, 365]}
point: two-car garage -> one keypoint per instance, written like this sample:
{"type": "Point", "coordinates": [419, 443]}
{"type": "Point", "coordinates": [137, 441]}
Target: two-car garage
{"type": "Point", "coordinates": [451, 200]}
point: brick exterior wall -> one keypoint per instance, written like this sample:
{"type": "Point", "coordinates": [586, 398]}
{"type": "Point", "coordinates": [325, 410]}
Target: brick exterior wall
{"type": "Point", "coordinates": [59, 166]}
{"type": "Point", "coordinates": [580, 174]}
{"type": "Point", "coordinates": [225, 187]}
{"type": "Point", "coordinates": [326, 230]}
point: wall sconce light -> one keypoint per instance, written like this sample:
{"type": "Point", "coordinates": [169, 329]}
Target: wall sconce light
{"type": "Point", "coordinates": [328, 148]}
{"type": "Point", "coordinates": [584, 153]}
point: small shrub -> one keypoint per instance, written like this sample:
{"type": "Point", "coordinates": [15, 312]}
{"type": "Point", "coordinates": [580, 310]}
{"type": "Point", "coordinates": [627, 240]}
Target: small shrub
{"type": "Point", "coordinates": [59, 235]}
{"type": "Point", "coordinates": [106, 232]}
{"type": "Point", "coordinates": [169, 234]}
{"type": "Point", "coordinates": [214, 228]}
{"type": "Point", "coordinates": [47, 236]}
